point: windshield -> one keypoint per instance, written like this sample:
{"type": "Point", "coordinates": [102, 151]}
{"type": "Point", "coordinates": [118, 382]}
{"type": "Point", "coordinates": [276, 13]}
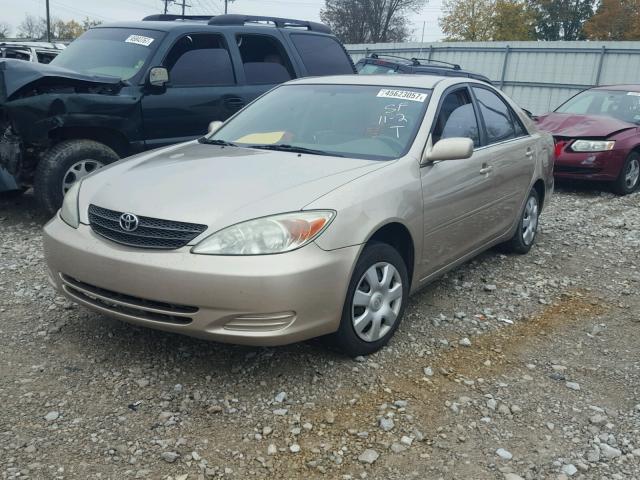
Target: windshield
{"type": "Point", "coordinates": [358, 121]}
{"type": "Point", "coordinates": [618, 104]}
{"type": "Point", "coordinates": [117, 52]}
{"type": "Point", "coordinates": [373, 69]}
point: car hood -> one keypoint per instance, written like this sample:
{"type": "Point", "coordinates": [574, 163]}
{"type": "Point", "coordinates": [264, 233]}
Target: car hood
{"type": "Point", "coordinates": [577, 126]}
{"type": "Point", "coordinates": [217, 186]}
{"type": "Point", "coordinates": [16, 76]}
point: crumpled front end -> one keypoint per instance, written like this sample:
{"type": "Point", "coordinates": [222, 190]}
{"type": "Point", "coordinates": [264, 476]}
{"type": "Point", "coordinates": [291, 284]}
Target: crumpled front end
{"type": "Point", "coordinates": [10, 147]}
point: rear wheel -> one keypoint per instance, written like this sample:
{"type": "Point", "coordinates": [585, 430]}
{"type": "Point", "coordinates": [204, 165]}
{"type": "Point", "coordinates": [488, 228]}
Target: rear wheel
{"type": "Point", "coordinates": [525, 235]}
{"type": "Point", "coordinates": [629, 177]}
{"type": "Point", "coordinates": [65, 164]}
{"type": "Point", "coordinates": [375, 301]}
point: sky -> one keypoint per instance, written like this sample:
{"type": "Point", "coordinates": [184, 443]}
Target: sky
{"type": "Point", "coordinates": [14, 11]}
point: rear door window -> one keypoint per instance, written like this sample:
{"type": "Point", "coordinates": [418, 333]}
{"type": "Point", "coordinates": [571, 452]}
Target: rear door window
{"type": "Point", "coordinates": [200, 60]}
{"type": "Point", "coordinates": [322, 55]}
{"type": "Point", "coordinates": [497, 116]}
{"type": "Point", "coordinates": [264, 60]}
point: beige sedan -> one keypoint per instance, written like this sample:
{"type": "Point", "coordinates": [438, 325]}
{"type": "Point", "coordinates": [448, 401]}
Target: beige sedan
{"type": "Point", "coordinates": [315, 211]}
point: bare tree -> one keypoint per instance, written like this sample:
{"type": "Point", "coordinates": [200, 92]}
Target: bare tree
{"type": "Point", "coordinates": [366, 21]}
{"type": "Point", "coordinates": [5, 29]}
{"type": "Point", "coordinates": [32, 27]}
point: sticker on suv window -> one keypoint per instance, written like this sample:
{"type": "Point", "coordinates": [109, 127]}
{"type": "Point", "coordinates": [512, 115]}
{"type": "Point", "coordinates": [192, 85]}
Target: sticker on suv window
{"type": "Point", "coordinates": [139, 40]}
{"type": "Point", "coordinates": [402, 95]}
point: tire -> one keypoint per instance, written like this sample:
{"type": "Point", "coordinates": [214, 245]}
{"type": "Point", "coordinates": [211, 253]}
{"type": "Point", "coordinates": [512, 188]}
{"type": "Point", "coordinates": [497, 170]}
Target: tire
{"type": "Point", "coordinates": [379, 257]}
{"type": "Point", "coordinates": [624, 185]}
{"type": "Point", "coordinates": [524, 237]}
{"type": "Point", "coordinates": [64, 164]}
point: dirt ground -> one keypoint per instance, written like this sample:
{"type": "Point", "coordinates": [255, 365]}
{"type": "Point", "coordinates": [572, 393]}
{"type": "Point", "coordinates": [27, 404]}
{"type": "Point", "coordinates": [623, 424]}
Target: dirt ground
{"type": "Point", "coordinates": [510, 367]}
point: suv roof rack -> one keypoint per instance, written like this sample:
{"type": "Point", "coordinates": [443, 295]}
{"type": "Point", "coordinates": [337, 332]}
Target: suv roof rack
{"type": "Point", "coordinates": [379, 55]}
{"type": "Point", "coordinates": [169, 17]}
{"type": "Point", "coordinates": [236, 19]}
{"type": "Point", "coordinates": [416, 62]}
{"type": "Point", "coordinates": [454, 66]}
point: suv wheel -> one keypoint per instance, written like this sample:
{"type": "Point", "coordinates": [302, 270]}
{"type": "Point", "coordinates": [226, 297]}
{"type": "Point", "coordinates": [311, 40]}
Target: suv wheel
{"type": "Point", "coordinates": [629, 177]}
{"type": "Point", "coordinates": [375, 301]}
{"type": "Point", "coordinates": [65, 164]}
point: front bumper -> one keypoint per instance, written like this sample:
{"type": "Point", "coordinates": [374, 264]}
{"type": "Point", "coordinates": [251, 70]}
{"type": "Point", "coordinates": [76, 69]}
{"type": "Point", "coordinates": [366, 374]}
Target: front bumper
{"type": "Point", "coordinates": [598, 166]}
{"type": "Point", "coordinates": [256, 300]}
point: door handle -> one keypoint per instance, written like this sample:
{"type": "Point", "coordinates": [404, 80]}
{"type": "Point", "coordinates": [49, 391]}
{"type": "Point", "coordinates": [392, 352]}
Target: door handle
{"type": "Point", "coordinates": [529, 153]}
{"type": "Point", "coordinates": [486, 169]}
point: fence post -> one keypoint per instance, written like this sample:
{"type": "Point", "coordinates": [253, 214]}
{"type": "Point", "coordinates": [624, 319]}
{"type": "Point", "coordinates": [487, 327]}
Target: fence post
{"type": "Point", "coordinates": [600, 64]}
{"type": "Point", "coordinates": [430, 52]}
{"type": "Point", "coordinates": [504, 66]}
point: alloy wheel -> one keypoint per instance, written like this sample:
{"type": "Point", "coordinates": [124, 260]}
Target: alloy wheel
{"type": "Point", "coordinates": [632, 174]}
{"type": "Point", "coordinates": [376, 302]}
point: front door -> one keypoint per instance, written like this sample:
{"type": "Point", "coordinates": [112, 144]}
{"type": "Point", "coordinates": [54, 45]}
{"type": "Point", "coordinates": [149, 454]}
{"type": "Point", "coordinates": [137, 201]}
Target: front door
{"type": "Point", "coordinates": [202, 88]}
{"type": "Point", "coordinates": [457, 194]}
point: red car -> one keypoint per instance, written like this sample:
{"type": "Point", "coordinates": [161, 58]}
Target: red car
{"type": "Point", "coordinates": [597, 135]}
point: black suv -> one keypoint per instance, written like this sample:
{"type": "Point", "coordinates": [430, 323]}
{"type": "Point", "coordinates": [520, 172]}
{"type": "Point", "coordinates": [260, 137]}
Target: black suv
{"type": "Point", "coordinates": [123, 88]}
{"type": "Point", "coordinates": [378, 64]}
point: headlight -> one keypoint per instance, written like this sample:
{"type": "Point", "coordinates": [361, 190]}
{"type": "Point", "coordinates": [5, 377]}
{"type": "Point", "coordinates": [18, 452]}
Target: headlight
{"type": "Point", "coordinates": [69, 212]}
{"type": "Point", "coordinates": [592, 145]}
{"type": "Point", "coordinates": [275, 234]}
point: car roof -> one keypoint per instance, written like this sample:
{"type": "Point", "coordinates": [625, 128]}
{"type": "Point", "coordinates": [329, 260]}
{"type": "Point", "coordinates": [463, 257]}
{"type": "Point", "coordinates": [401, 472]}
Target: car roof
{"type": "Point", "coordinates": [401, 80]}
{"type": "Point", "coordinates": [627, 88]}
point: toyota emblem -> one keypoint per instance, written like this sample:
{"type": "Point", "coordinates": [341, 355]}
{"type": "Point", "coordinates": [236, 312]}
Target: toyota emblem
{"type": "Point", "coordinates": [129, 222]}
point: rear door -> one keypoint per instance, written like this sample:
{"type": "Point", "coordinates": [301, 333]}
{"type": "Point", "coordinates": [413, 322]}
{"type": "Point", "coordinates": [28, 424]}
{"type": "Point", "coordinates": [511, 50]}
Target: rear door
{"type": "Point", "coordinates": [202, 88]}
{"type": "Point", "coordinates": [457, 194]}
{"type": "Point", "coordinates": [512, 156]}
{"type": "Point", "coordinates": [263, 62]}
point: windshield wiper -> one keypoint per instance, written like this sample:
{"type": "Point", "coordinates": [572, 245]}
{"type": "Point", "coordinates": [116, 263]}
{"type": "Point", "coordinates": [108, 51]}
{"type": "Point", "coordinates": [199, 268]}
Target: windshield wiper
{"type": "Point", "coordinates": [283, 147]}
{"type": "Point", "coordinates": [210, 141]}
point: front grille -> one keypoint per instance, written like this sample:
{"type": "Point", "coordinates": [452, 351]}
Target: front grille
{"type": "Point", "coordinates": [151, 232]}
{"type": "Point", "coordinates": [127, 304]}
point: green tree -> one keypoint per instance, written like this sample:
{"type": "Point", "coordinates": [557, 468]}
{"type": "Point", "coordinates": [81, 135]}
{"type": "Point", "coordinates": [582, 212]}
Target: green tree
{"type": "Point", "coordinates": [470, 20]}
{"type": "Point", "coordinates": [615, 20]}
{"type": "Point", "coordinates": [370, 21]}
{"type": "Point", "coordinates": [512, 20]}
{"type": "Point", "coordinates": [561, 19]}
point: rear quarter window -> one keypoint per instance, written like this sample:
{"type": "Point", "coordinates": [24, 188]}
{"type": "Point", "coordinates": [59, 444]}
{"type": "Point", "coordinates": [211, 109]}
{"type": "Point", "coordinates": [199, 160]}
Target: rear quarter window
{"type": "Point", "coordinates": [322, 55]}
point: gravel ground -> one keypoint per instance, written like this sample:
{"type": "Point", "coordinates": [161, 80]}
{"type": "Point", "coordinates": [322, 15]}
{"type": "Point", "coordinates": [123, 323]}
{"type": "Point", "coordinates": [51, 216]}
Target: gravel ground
{"type": "Point", "coordinates": [509, 367]}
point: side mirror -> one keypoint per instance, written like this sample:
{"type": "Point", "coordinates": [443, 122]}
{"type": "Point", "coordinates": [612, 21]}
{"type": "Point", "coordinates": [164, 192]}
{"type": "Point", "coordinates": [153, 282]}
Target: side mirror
{"type": "Point", "coordinates": [215, 125]}
{"type": "Point", "coordinates": [158, 76]}
{"type": "Point", "coordinates": [454, 148]}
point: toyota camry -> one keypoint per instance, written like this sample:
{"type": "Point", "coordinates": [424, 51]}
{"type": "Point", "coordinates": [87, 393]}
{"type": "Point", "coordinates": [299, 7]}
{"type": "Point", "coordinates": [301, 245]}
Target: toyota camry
{"type": "Point", "coordinates": [314, 211]}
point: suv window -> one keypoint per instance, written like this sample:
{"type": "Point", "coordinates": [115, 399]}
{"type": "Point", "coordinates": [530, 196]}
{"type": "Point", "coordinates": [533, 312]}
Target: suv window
{"type": "Point", "coordinates": [457, 118]}
{"type": "Point", "coordinates": [322, 55]}
{"type": "Point", "coordinates": [264, 60]}
{"type": "Point", "coordinates": [200, 60]}
{"type": "Point", "coordinates": [498, 119]}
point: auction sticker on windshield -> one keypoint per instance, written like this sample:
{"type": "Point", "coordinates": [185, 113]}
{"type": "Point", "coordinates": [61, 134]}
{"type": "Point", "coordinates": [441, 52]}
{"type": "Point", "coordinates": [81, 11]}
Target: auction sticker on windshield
{"type": "Point", "coordinates": [402, 95]}
{"type": "Point", "coordinates": [139, 40]}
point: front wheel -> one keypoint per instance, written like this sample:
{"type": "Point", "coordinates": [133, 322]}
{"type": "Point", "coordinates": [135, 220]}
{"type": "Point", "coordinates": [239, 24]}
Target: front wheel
{"type": "Point", "coordinates": [525, 234]}
{"type": "Point", "coordinates": [375, 302]}
{"type": "Point", "coordinates": [65, 164]}
{"type": "Point", "coordinates": [629, 177]}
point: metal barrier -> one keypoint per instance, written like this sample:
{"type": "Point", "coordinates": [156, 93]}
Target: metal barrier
{"type": "Point", "coordinates": [538, 75]}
